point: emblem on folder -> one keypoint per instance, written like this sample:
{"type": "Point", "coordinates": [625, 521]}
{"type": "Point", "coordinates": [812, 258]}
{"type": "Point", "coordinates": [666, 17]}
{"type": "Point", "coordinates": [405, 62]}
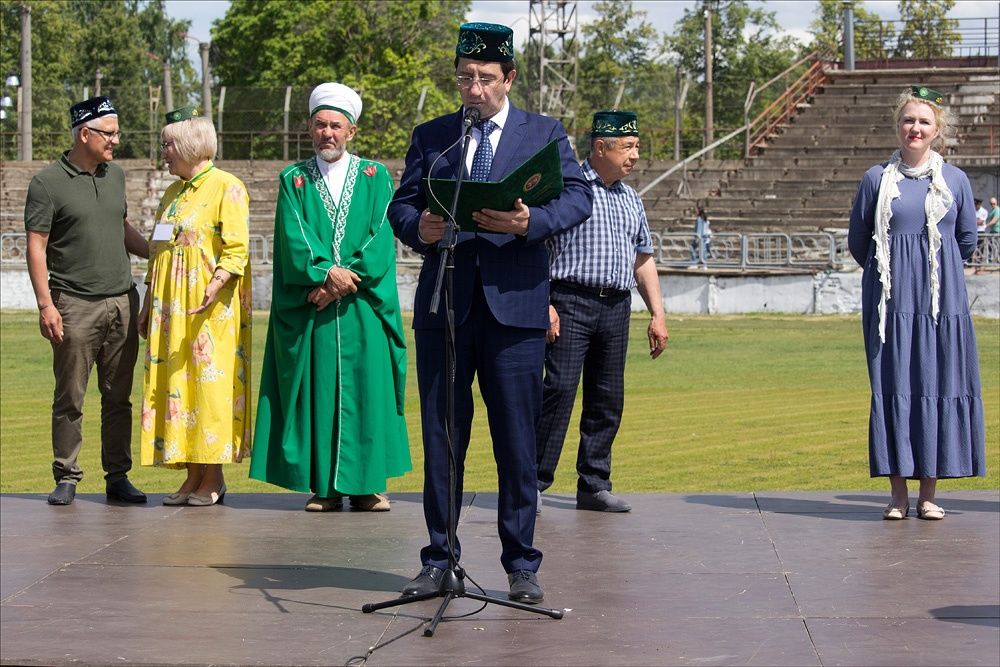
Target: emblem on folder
{"type": "Point", "coordinates": [532, 182]}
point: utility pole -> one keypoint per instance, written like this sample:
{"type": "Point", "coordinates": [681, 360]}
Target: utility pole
{"type": "Point", "coordinates": [206, 82]}
{"type": "Point", "coordinates": [97, 82]}
{"type": "Point", "coordinates": [168, 87]}
{"type": "Point", "coordinates": [709, 120]}
{"type": "Point", "coordinates": [848, 37]}
{"type": "Point", "coordinates": [25, 118]}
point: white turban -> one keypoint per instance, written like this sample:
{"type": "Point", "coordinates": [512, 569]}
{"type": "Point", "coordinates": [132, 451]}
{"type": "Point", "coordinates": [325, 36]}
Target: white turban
{"type": "Point", "coordinates": [336, 97]}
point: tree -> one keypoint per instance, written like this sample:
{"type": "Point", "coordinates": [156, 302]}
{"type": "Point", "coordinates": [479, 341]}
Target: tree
{"type": "Point", "coordinates": [390, 49]}
{"type": "Point", "coordinates": [621, 50]}
{"type": "Point", "coordinates": [871, 35]}
{"type": "Point", "coordinates": [164, 37]}
{"type": "Point", "coordinates": [55, 41]}
{"type": "Point", "coordinates": [745, 48]}
{"type": "Point", "coordinates": [927, 32]}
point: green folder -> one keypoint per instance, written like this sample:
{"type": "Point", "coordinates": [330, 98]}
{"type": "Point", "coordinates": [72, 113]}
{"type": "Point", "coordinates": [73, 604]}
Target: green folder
{"type": "Point", "coordinates": [538, 180]}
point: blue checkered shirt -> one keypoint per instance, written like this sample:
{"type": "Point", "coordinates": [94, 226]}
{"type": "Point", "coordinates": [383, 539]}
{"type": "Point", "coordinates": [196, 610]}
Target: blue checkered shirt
{"type": "Point", "coordinates": [601, 251]}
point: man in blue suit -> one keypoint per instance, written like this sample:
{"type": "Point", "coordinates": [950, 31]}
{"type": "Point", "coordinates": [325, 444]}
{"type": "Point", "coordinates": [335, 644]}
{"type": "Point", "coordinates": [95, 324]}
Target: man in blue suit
{"type": "Point", "coordinates": [501, 296]}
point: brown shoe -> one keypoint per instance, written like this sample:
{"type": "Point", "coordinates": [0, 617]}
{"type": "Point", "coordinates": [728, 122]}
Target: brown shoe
{"type": "Point", "coordinates": [373, 502]}
{"type": "Point", "coordinates": [320, 504]}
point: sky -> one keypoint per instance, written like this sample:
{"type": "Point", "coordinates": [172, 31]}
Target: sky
{"type": "Point", "coordinates": [793, 15]}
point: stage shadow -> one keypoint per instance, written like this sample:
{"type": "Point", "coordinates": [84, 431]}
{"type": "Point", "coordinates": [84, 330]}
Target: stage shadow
{"type": "Point", "coordinates": [986, 615]}
{"type": "Point", "coordinates": [305, 577]}
{"type": "Point", "coordinates": [824, 509]}
{"type": "Point", "coordinates": [951, 505]}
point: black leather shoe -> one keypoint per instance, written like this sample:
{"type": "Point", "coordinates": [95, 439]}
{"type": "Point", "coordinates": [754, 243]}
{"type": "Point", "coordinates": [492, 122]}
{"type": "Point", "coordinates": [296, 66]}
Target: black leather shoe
{"type": "Point", "coordinates": [601, 501]}
{"type": "Point", "coordinates": [524, 587]}
{"type": "Point", "coordinates": [123, 491]}
{"type": "Point", "coordinates": [63, 494]}
{"type": "Point", "coordinates": [428, 581]}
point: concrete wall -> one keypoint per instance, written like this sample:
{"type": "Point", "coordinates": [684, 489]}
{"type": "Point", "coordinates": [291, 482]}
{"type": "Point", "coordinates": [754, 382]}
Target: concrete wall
{"type": "Point", "coordinates": [703, 293]}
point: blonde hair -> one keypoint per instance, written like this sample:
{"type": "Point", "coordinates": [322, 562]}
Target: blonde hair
{"type": "Point", "coordinates": [942, 117]}
{"type": "Point", "coordinates": [194, 139]}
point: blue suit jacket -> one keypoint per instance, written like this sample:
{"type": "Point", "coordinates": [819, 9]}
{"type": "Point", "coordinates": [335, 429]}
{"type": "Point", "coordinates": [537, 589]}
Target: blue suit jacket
{"type": "Point", "coordinates": [514, 269]}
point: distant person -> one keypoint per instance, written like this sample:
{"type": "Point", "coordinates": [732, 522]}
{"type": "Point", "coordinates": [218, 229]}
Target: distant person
{"type": "Point", "coordinates": [993, 221]}
{"type": "Point", "coordinates": [912, 224]}
{"type": "Point", "coordinates": [330, 413]}
{"type": "Point", "coordinates": [197, 315]}
{"type": "Point", "coordinates": [79, 239]}
{"type": "Point", "coordinates": [594, 267]}
{"type": "Point", "coordinates": [701, 246]}
{"type": "Point", "coordinates": [981, 216]}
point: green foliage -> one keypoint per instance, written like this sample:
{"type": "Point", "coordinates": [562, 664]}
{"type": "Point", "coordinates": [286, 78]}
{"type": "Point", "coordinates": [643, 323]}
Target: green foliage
{"type": "Point", "coordinates": [927, 32]}
{"type": "Point", "coordinates": [388, 50]}
{"type": "Point", "coordinates": [870, 34]}
{"type": "Point", "coordinates": [71, 41]}
{"type": "Point", "coordinates": [758, 402]}
{"type": "Point", "coordinates": [745, 48]}
{"type": "Point", "coordinates": [622, 51]}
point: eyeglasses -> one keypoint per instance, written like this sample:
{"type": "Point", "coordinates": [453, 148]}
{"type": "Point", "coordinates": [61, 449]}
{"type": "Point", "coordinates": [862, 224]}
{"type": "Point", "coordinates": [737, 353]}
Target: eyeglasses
{"type": "Point", "coordinates": [165, 145]}
{"type": "Point", "coordinates": [110, 136]}
{"type": "Point", "coordinates": [466, 81]}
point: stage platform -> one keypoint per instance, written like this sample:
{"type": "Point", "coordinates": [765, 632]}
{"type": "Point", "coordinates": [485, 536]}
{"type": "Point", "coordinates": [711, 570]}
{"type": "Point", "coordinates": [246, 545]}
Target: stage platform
{"type": "Point", "coordinates": [742, 579]}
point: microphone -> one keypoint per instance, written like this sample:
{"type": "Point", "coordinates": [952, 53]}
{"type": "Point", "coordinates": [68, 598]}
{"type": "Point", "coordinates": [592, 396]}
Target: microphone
{"type": "Point", "coordinates": [471, 118]}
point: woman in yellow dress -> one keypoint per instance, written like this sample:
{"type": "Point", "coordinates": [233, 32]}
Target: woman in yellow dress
{"type": "Point", "coordinates": [197, 315]}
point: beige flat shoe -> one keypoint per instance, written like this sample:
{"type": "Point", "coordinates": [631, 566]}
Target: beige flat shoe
{"type": "Point", "coordinates": [930, 512]}
{"type": "Point", "coordinates": [891, 513]}
{"type": "Point", "coordinates": [176, 499]}
{"type": "Point", "coordinates": [213, 498]}
{"type": "Point", "coordinates": [373, 502]}
{"type": "Point", "coordinates": [320, 504]}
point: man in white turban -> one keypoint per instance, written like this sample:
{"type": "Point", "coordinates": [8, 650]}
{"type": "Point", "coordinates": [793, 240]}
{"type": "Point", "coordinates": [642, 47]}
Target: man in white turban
{"type": "Point", "coordinates": [330, 412]}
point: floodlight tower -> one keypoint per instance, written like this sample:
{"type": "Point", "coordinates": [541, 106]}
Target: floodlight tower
{"type": "Point", "coordinates": [552, 27]}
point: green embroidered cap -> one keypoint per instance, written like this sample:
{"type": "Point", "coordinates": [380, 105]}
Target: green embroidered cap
{"type": "Point", "coordinates": [184, 113]}
{"type": "Point", "coordinates": [928, 95]}
{"type": "Point", "coordinates": [485, 41]}
{"type": "Point", "coordinates": [615, 123]}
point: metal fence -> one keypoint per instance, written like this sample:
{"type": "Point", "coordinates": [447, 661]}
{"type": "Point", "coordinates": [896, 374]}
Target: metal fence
{"type": "Point", "coordinates": [817, 251]}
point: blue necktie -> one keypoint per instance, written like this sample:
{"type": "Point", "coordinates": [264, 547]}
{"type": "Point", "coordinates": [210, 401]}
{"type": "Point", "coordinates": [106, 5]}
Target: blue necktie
{"type": "Point", "coordinates": [482, 159]}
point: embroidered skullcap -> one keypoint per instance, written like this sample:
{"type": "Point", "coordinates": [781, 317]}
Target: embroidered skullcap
{"type": "Point", "coordinates": [184, 113]}
{"type": "Point", "coordinates": [90, 109]}
{"type": "Point", "coordinates": [615, 123]}
{"type": "Point", "coordinates": [491, 42]}
{"type": "Point", "coordinates": [928, 95]}
{"type": "Point", "coordinates": [336, 97]}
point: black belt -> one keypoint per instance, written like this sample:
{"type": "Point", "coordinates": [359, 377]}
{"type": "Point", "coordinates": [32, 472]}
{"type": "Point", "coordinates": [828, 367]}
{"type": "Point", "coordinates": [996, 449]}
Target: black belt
{"type": "Point", "coordinates": [602, 292]}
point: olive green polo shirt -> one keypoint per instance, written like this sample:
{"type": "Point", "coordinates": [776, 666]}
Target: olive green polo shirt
{"type": "Point", "coordinates": [84, 215]}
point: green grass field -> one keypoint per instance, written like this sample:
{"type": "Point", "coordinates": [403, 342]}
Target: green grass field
{"type": "Point", "coordinates": [735, 404]}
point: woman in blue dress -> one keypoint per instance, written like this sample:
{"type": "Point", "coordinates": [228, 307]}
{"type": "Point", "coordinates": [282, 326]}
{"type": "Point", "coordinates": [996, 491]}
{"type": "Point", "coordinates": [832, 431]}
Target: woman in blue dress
{"type": "Point", "coordinates": [912, 225]}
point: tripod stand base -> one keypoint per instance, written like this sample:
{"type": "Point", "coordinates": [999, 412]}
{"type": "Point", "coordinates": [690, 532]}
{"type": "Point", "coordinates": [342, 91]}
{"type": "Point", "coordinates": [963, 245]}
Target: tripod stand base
{"type": "Point", "coordinates": [452, 587]}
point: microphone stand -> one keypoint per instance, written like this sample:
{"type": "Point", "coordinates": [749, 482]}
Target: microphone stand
{"type": "Point", "coordinates": [452, 584]}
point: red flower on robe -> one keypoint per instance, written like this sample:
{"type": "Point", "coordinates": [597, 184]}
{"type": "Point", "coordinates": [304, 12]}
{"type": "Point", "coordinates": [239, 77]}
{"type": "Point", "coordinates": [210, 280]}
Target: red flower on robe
{"type": "Point", "coordinates": [299, 181]}
{"type": "Point", "coordinates": [370, 170]}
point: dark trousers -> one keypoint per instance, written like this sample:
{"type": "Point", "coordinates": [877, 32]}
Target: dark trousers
{"type": "Point", "coordinates": [593, 340]}
{"type": "Point", "coordinates": [508, 362]}
{"type": "Point", "coordinates": [101, 331]}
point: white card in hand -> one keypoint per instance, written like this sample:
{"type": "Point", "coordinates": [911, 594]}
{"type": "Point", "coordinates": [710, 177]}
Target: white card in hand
{"type": "Point", "coordinates": [163, 232]}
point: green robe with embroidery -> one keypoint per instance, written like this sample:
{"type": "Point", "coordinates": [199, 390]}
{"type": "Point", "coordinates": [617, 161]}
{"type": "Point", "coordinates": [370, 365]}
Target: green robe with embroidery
{"type": "Point", "coordinates": [330, 412]}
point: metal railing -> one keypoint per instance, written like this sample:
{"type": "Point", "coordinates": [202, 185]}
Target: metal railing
{"type": "Point", "coordinates": [726, 250]}
{"type": "Point", "coordinates": [976, 37]}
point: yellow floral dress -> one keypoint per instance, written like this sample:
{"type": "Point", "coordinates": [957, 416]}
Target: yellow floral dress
{"type": "Point", "coordinates": [195, 395]}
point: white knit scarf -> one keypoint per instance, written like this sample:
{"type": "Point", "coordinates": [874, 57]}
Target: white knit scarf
{"type": "Point", "coordinates": [936, 205]}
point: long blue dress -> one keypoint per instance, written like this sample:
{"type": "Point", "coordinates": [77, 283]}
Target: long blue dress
{"type": "Point", "coordinates": [926, 408]}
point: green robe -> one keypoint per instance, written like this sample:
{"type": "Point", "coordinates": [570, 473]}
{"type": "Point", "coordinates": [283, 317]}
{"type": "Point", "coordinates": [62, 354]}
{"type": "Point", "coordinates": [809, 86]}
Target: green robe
{"type": "Point", "coordinates": [330, 412]}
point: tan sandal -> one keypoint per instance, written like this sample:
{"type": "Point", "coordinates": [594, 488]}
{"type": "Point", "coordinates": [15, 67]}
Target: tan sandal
{"type": "Point", "coordinates": [930, 512]}
{"type": "Point", "coordinates": [891, 513]}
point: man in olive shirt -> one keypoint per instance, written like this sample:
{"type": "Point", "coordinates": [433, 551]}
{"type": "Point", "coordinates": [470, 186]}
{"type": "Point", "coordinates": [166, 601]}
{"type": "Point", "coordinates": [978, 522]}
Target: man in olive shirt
{"type": "Point", "coordinates": [78, 245]}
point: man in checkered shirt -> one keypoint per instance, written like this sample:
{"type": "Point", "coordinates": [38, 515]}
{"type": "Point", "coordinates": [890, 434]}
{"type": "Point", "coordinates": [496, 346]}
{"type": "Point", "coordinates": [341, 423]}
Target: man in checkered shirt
{"type": "Point", "coordinates": [594, 267]}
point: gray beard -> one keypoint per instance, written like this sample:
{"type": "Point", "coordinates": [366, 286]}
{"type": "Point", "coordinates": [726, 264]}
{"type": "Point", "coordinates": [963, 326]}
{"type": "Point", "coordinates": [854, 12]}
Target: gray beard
{"type": "Point", "coordinates": [330, 154]}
